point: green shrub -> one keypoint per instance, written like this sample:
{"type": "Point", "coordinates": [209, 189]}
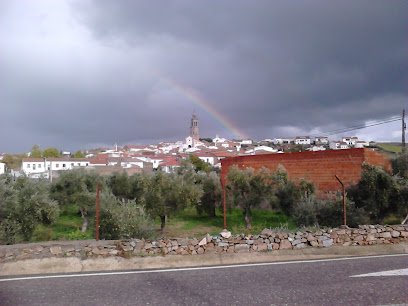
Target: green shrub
{"type": "Point", "coordinates": [123, 219]}
{"type": "Point", "coordinates": [9, 231]}
{"type": "Point", "coordinates": [77, 235]}
{"type": "Point", "coordinates": [42, 233]}
{"type": "Point", "coordinates": [312, 212]}
{"type": "Point", "coordinates": [305, 212]}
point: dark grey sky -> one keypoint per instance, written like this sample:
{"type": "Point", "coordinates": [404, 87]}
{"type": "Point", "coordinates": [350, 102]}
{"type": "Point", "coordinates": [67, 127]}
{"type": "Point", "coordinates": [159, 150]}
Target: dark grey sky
{"type": "Point", "coordinates": [76, 74]}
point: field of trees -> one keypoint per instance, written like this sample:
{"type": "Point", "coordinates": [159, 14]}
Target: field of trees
{"type": "Point", "coordinates": [188, 203]}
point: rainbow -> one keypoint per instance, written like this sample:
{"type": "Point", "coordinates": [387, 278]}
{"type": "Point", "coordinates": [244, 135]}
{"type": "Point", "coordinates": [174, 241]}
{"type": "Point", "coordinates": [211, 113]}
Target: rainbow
{"type": "Point", "coordinates": [196, 98]}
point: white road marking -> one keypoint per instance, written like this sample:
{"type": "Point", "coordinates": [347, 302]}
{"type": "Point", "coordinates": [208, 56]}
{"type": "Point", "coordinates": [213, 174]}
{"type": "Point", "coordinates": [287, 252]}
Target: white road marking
{"type": "Point", "coordinates": [398, 272]}
{"type": "Point", "coordinates": [194, 268]}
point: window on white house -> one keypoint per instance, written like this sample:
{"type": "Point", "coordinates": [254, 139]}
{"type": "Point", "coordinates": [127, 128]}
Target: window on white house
{"type": "Point", "coordinates": [72, 164]}
{"type": "Point", "coordinates": [56, 165]}
{"type": "Point", "coordinates": [28, 165]}
{"type": "Point", "coordinates": [39, 165]}
{"type": "Point", "coordinates": [33, 166]}
{"type": "Point", "coordinates": [63, 165]}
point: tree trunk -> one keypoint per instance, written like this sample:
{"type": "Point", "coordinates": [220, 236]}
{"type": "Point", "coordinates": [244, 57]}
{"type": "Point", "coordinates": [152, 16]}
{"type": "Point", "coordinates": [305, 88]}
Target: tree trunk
{"type": "Point", "coordinates": [212, 212]}
{"type": "Point", "coordinates": [84, 220]}
{"type": "Point", "coordinates": [247, 218]}
{"type": "Point", "coordinates": [405, 221]}
{"type": "Point", "coordinates": [162, 223]}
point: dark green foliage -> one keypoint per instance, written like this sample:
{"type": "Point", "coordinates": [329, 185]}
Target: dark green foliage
{"type": "Point", "coordinates": [119, 184]}
{"type": "Point", "coordinates": [51, 152]}
{"type": "Point", "coordinates": [72, 187]}
{"type": "Point", "coordinates": [9, 231]}
{"type": "Point", "coordinates": [36, 151]}
{"type": "Point", "coordinates": [77, 187]}
{"type": "Point", "coordinates": [199, 165]}
{"type": "Point", "coordinates": [310, 212]}
{"type": "Point", "coordinates": [23, 205]}
{"type": "Point", "coordinates": [400, 165]}
{"type": "Point", "coordinates": [13, 161]}
{"type": "Point", "coordinates": [123, 219]}
{"type": "Point", "coordinates": [287, 193]}
{"type": "Point", "coordinates": [248, 189]}
{"type": "Point", "coordinates": [167, 194]}
{"type": "Point", "coordinates": [212, 194]}
{"type": "Point", "coordinates": [376, 193]}
{"type": "Point", "coordinates": [79, 154]}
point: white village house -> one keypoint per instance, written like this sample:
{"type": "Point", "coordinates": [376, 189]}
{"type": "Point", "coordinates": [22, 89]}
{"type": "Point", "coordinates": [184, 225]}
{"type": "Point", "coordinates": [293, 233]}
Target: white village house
{"type": "Point", "coordinates": [41, 166]}
{"type": "Point", "coordinates": [302, 140]}
{"type": "Point", "coordinates": [339, 145]}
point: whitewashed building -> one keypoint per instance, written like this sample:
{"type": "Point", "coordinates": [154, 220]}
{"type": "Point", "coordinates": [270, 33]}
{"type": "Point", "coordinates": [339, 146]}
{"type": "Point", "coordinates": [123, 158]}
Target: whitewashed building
{"type": "Point", "coordinates": [246, 142]}
{"type": "Point", "coordinates": [280, 141]}
{"type": "Point", "coordinates": [321, 140]}
{"type": "Point", "coordinates": [2, 168]}
{"type": "Point", "coordinates": [302, 140]}
{"type": "Point", "coordinates": [361, 144]}
{"type": "Point", "coordinates": [37, 166]}
{"type": "Point", "coordinates": [351, 141]}
{"type": "Point", "coordinates": [264, 149]}
{"type": "Point", "coordinates": [339, 145]}
{"type": "Point", "coordinates": [218, 139]}
{"type": "Point", "coordinates": [207, 157]}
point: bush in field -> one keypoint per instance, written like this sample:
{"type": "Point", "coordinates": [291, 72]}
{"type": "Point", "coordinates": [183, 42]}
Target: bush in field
{"type": "Point", "coordinates": [310, 211]}
{"type": "Point", "coordinates": [24, 204]}
{"type": "Point", "coordinates": [287, 193]}
{"type": "Point", "coordinates": [377, 193]}
{"type": "Point", "coordinates": [304, 212]}
{"type": "Point", "coordinates": [123, 219]}
{"type": "Point", "coordinates": [400, 165]}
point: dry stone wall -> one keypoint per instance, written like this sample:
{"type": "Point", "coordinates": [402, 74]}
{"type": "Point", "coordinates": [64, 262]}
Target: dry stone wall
{"type": "Point", "coordinates": [268, 240]}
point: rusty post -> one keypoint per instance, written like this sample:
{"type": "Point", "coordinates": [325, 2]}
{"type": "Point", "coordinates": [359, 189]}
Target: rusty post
{"type": "Point", "coordinates": [344, 200]}
{"type": "Point", "coordinates": [97, 208]}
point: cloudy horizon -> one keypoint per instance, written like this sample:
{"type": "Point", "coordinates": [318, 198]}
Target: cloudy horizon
{"type": "Point", "coordinates": [75, 74]}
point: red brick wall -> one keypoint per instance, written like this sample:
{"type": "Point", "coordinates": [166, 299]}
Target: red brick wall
{"type": "Point", "coordinates": [318, 167]}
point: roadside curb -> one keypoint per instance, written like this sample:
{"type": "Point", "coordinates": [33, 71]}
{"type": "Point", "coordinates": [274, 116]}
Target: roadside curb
{"type": "Point", "coordinates": [114, 263]}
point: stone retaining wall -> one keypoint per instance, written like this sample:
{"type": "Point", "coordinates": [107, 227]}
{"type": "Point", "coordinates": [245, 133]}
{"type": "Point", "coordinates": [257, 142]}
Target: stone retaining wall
{"type": "Point", "coordinates": [267, 241]}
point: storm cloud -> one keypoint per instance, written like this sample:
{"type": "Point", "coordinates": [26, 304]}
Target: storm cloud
{"type": "Point", "coordinates": [77, 74]}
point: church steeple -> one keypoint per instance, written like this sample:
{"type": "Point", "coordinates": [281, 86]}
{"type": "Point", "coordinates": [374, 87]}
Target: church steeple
{"type": "Point", "coordinates": [194, 133]}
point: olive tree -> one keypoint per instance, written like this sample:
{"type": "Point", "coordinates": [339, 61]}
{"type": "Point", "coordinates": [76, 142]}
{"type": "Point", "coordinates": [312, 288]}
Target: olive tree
{"type": "Point", "coordinates": [377, 193]}
{"type": "Point", "coordinates": [169, 193]}
{"type": "Point", "coordinates": [77, 187]}
{"type": "Point", "coordinates": [24, 204]}
{"type": "Point", "coordinates": [123, 219]}
{"type": "Point", "coordinates": [211, 196]}
{"type": "Point", "coordinates": [248, 189]}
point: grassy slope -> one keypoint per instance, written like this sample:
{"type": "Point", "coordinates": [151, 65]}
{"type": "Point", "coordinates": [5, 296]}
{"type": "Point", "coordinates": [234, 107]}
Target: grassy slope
{"type": "Point", "coordinates": [184, 224]}
{"type": "Point", "coordinates": [390, 147]}
{"type": "Point", "coordinates": [67, 227]}
{"type": "Point", "coordinates": [189, 224]}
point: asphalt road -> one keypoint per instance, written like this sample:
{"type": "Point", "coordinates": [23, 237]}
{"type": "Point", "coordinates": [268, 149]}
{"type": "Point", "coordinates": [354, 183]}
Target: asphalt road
{"type": "Point", "coordinates": [324, 282]}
